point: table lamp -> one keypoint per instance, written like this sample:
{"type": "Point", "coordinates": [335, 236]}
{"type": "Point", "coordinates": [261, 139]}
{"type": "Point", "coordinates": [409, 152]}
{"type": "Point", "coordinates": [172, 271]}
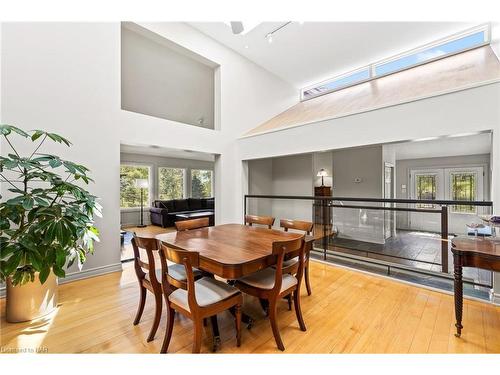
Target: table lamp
{"type": "Point", "coordinates": [322, 173]}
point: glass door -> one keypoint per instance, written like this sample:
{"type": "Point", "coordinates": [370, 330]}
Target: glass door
{"type": "Point", "coordinates": [426, 184]}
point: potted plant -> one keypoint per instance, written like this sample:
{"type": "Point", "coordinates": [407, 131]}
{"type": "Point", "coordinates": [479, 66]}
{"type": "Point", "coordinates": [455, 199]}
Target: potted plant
{"type": "Point", "coordinates": [46, 222]}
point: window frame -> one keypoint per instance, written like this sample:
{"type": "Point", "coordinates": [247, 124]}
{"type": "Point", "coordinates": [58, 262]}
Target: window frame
{"type": "Point", "coordinates": [337, 78]}
{"type": "Point", "coordinates": [486, 28]}
{"type": "Point", "coordinates": [191, 181]}
{"type": "Point", "coordinates": [150, 185]}
{"type": "Point", "coordinates": [184, 180]}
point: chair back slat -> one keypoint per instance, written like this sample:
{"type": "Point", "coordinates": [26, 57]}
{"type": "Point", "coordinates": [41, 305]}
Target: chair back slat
{"type": "Point", "coordinates": [150, 245]}
{"type": "Point", "coordinates": [288, 246]}
{"type": "Point", "coordinates": [192, 224]}
{"type": "Point", "coordinates": [305, 226]}
{"type": "Point", "coordinates": [262, 220]}
{"type": "Point", "coordinates": [143, 265]}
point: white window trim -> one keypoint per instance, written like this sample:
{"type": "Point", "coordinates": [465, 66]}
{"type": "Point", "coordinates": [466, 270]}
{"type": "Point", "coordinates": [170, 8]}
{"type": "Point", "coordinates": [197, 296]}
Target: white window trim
{"type": "Point", "coordinates": [148, 202]}
{"type": "Point", "coordinates": [486, 28]}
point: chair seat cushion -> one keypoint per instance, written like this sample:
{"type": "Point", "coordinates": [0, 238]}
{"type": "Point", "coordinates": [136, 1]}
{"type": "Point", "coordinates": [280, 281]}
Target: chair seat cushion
{"type": "Point", "coordinates": [207, 291]}
{"type": "Point", "coordinates": [264, 279]}
{"type": "Point", "coordinates": [177, 271]}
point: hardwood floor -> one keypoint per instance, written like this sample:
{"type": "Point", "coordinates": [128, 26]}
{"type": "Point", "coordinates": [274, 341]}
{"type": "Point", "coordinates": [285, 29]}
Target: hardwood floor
{"type": "Point", "coordinates": [348, 312]}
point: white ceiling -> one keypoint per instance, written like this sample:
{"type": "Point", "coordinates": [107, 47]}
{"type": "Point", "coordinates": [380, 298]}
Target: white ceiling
{"type": "Point", "coordinates": [166, 152]}
{"type": "Point", "coordinates": [307, 53]}
{"type": "Point", "coordinates": [445, 146]}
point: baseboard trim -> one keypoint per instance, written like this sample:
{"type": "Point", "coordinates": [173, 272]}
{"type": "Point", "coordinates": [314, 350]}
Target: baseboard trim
{"type": "Point", "coordinates": [80, 275]}
{"type": "Point", "coordinates": [92, 272]}
{"type": "Point", "coordinates": [495, 298]}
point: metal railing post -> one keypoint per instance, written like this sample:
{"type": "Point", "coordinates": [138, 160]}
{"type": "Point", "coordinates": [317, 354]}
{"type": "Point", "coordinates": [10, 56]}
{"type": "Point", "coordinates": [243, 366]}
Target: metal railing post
{"type": "Point", "coordinates": [245, 208]}
{"type": "Point", "coordinates": [444, 239]}
{"type": "Point", "coordinates": [324, 218]}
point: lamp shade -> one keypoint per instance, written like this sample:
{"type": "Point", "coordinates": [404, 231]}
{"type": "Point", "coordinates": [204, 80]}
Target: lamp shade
{"type": "Point", "coordinates": [322, 173]}
{"type": "Point", "coordinates": [142, 183]}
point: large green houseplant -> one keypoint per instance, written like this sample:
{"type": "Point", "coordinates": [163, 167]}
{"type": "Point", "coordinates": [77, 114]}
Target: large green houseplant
{"type": "Point", "coordinates": [47, 219]}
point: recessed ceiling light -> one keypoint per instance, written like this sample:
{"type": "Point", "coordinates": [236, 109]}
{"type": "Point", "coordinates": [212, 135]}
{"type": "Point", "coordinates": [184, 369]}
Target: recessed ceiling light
{"type": "Point", "coordinates": [246, 46]}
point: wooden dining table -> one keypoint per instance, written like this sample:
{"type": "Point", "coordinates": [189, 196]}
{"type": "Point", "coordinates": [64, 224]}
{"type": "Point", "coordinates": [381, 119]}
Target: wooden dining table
{"type": "Point", "coordinates": [232, 251]}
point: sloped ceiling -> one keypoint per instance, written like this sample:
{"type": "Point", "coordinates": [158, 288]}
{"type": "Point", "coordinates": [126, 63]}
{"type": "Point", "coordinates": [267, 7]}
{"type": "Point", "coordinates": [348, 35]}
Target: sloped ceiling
{"type": "Point", "coordinates": [470, 69]}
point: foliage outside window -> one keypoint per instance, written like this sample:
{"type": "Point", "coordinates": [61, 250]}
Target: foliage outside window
{"type": "Point", "coordinates": [201, 183]}
{"type": "Point", "coordinates": [130, 196]}
{"type": "Point", "coordinates": [463, 188]}
{"type": "Point", "coordinates": [171, 183]}
{"type": "Point", "coordinates": [426, 189]}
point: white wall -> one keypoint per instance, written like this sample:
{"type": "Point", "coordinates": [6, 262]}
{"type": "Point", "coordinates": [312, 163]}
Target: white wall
{"type": "Point", "coordinates": [65, 78]}
{"type": "Point", "coordinates": [161, 81]}
{"type": "Point", "coordinates": [131, 216]}
{"type": "Point", "coordinates": [292, 175]}
{"type": "Point", "coordinates": [349, 165]}
{"type": "Point", "coordinates": [260, 181]}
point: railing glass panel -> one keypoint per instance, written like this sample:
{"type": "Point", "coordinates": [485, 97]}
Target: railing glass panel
{"type": "Point", "coordinates": [408, 239]}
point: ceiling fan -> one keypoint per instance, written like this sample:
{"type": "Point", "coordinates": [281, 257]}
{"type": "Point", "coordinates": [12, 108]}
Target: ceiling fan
{"type": "Point", "coordinates": [240, 27]}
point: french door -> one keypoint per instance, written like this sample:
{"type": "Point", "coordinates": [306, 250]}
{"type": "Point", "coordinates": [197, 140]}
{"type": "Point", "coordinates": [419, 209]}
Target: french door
{"type": "Point", "coordinates": [426, 184]}
{"type": "Point", "coordinates": [449, 184]}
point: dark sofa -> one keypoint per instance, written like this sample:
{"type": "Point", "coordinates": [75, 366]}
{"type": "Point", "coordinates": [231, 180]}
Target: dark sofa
{"type": "Point", "coordinates": [163, 212]}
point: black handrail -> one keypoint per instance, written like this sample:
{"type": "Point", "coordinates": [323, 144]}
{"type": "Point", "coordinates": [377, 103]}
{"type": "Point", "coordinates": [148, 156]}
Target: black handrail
{"type": "Point", "coordinates": [380, 200]}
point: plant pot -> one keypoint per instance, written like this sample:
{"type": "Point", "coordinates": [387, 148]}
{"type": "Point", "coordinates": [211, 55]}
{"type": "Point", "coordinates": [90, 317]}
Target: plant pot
{"type": "Point", "coordinates": [31, 300]}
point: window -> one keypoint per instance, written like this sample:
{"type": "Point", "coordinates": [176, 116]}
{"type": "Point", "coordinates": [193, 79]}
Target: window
{"type": "Point", "coordinates": [130, 195]}
{"type": "Point", "coordinates": [462, 42]}
{"type": "Point", "coordinates": [432, 53]}
{"type": "Point", "coordinates": [463, 188]}
{"type": "Point", "coordinates": [201, 183]}
{"type": "Point", "coordinates": [171, 183]}
{"type": "Point", "coordinates": [426, 189]}
{"type": "Point", "coordinates": [337, 83]}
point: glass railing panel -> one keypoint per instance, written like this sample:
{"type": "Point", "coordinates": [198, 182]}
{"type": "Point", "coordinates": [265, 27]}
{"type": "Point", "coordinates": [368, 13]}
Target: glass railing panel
{"type": "Point", "coordinates": [408, 238]}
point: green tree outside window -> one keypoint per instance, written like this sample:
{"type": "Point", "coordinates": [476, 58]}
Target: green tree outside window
{"type": "Point", "coordinates": [171, 183]}
{"type": "Point", "coordinates": [201, 183]}
{"type": "Point", "coordinates": [130, 196]}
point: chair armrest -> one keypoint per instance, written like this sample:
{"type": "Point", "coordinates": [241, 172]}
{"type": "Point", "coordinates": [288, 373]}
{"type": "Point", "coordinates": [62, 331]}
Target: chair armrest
{"type": "Point", "coordinates": [156, 210]}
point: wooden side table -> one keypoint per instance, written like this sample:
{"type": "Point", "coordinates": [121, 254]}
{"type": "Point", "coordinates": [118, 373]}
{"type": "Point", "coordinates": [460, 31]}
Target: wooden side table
{"type": "Point", "coordinates": [471, 252]}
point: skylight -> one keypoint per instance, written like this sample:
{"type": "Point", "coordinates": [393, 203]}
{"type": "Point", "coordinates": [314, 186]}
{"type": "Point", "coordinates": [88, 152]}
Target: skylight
{"type": "Point", "coordinates": [346, 80]}
{"type": "Point", "coordinates": [473, 38]}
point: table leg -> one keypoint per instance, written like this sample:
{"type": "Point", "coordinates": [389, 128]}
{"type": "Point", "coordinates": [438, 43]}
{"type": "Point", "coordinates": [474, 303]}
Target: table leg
{"type": "Point", "coordinates": [459, 294]}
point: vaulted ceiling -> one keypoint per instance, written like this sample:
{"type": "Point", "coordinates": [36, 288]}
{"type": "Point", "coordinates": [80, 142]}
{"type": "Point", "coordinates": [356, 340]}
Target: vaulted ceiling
{"type": "Point", "coordinates": [309, 52]}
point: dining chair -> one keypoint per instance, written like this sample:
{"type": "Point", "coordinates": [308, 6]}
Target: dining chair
{"type": "Point", "coordinates": [149, 278]}
{"type": "Point", "coordinates": [304, 226]}
{"type": "Point", "coordinates": [261, 220]}
{"type": "Point", "coordinates": [199, 299]}
{"type": "Point", "coordinates": [192, 224]}
{"type": "Point", "coordinates": [274, 283]}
